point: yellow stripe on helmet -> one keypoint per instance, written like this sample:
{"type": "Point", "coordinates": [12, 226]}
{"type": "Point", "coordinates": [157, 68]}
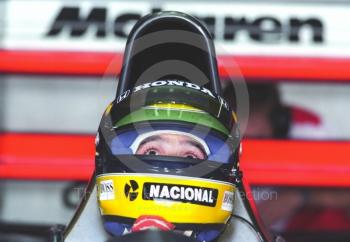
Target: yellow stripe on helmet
{"type": "Point", "coordinates": [175, 198]}
{"type": "Point", "coordinates": [176, 106]}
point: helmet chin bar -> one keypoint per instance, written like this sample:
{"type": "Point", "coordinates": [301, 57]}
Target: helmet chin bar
{"type": "Point", "coordinates": [87, 225]}
{"type": "Point", "coordinates": [244, 225]}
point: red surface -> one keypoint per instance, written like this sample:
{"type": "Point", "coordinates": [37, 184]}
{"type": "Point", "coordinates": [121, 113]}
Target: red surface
{"type": "Point", "coordinates": [316, 219]}
{"type": "Point", "coordinates": [297, 162]}
{"type": "Point", "coordinates": [265, 162]}
{"type": "Point", "coordinates": [301, 115]}
{"type": "Point", "coordinates": [100, 63]}
{"type": "Point", "coordinates": [37, 156]}
{"type": "Point", "coordinates": [59, 62]}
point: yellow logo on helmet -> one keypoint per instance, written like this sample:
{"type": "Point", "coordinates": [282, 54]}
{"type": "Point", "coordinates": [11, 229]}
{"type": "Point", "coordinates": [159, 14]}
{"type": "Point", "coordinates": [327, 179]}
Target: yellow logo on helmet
{"type": "Point", "coordinates": [178, 199]}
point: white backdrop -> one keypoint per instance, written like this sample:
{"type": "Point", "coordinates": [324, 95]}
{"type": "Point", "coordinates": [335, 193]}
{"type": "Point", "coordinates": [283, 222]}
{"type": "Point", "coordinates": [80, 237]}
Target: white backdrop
{"type": "Point", "coordinates": [75, 104]}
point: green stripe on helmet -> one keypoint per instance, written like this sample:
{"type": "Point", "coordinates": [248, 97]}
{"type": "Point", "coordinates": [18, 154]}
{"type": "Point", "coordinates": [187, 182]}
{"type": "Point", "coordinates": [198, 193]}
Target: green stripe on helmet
{"type": "Point", "coordinates": [191, 116]}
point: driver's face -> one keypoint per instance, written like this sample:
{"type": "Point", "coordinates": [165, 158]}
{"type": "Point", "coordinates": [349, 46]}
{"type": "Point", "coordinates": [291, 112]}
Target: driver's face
{"type": "Point", "coordinates": [171, 145]}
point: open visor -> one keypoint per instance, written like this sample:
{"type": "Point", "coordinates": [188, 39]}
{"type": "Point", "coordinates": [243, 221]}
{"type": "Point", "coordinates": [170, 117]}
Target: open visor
{"type": "Point", "coordinates": [172, 139]}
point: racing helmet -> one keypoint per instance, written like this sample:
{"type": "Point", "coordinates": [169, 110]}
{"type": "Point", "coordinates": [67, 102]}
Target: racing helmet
{"type": "Point", "coordinates": [167, 158]}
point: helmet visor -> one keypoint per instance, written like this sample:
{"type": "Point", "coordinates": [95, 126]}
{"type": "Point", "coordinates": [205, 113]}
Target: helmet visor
{"type": "Point", "coordinates": [173, 140]}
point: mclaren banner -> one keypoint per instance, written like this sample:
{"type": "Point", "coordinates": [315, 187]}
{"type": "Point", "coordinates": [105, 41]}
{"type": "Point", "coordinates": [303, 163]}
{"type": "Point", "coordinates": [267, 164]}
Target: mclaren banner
{"type": "Point", "coordinates": [266, 39]}
{"type": "Point", "coordinates": [286, 28]}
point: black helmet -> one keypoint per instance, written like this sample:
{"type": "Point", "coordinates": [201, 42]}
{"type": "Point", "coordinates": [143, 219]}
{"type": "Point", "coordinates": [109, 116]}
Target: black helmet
{"type": "Point", "coordinates": [166, 155]}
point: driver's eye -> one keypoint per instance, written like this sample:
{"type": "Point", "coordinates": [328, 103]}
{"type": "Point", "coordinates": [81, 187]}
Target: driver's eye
{"type": "Point", "coordinates": [191, 157]}
{"type": "Point", "coordinates": [151, 152]}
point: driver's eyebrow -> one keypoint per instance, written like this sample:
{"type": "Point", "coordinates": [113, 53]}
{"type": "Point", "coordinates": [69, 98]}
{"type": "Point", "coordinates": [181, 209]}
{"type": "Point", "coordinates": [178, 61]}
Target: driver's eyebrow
{"type": "Point", "coordinates": [151, 138]}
